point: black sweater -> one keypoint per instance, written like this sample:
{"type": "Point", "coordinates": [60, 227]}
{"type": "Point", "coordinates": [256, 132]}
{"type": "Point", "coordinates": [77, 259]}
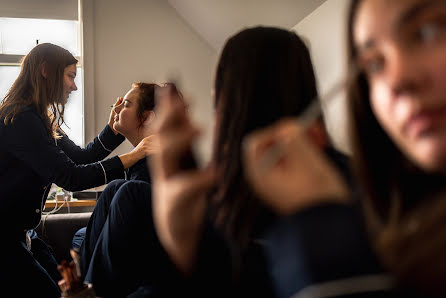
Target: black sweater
{"type": "Point", "coordinates": [30, 160]}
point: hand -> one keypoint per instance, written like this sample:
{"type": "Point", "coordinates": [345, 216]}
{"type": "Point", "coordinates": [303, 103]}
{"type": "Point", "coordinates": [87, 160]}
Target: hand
{"type": "Point", "coordinates": [303, 177]}
{"type": "Point", "coordinates": [147, 146]}
{"type": "Point", "coordinates": [111, 119]}
{"type": "Point", "coordinates": [178, 195]}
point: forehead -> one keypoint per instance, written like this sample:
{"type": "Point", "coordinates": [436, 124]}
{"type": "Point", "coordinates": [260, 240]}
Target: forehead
{"type": "Point", "coordinates": [132, 94]}
{"type": "Point", "coordinates": [70, 68]}
{"type": "Point", "coordinates": [376, 18]}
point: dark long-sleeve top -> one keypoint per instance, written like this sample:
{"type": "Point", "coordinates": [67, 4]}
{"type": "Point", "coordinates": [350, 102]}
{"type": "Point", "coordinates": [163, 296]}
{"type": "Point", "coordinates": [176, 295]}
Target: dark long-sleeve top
{"type": "Point", "coordinates": [30, 160]}
{"type": "Point", "coordinates": [139, 171]}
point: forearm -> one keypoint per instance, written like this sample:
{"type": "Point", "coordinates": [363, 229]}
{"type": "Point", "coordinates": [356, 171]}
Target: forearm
{"type": "Point", "coordinates": [130, 158]}
{"type": "Point", "coordinates": [182, 254]}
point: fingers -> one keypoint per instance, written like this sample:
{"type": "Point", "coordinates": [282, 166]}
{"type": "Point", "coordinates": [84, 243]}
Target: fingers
{"type": "Point", "coordinates": [269, 144]}
{"type": "Point", "coordinates": [118, 101]}
{"type": "Point", "coordinates": [174, 147]}
{"type": "Point", "coordinates": [175, 133]}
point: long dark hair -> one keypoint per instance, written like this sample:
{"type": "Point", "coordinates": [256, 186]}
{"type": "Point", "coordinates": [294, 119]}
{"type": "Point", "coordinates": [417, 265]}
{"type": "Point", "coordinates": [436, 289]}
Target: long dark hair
{"type": "Point", "coordinates": [31, 88]}
{"type": "Point", "coordinates": [264, 74]}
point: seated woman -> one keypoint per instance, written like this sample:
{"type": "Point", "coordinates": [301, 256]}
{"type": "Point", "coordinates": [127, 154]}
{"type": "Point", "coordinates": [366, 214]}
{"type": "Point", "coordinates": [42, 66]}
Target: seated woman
{"type": "Point", "coordinates": [209, 245]}
{"type": "Point", "coordinates": [134, 120]}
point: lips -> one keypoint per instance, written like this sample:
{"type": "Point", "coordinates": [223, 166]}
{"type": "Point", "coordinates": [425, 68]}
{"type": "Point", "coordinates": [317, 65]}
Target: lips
{"type": "Point", "coordinates": [425, 121]}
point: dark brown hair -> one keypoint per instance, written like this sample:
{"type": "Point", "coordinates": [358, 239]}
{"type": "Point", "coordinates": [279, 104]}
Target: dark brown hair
{"type": "Point", "coordinates": [31, 88]}
{"type": "Point", "coordinates": [146, 96]}
{"type": "Point", "coordinates": [264, 74]}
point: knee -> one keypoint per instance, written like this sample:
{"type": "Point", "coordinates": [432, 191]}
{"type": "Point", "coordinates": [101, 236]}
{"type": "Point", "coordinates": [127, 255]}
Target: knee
{"type": "Point", "coordinates": [135, 193]}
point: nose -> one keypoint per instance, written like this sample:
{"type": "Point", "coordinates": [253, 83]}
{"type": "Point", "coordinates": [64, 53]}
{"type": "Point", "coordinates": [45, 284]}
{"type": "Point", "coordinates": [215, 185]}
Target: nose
{"type": "Point", "coordinates": [405, 72]}
{"type": "Point", "coordinates": [74, 87]}
{"type": "Point", "coordinates": [118, 108]}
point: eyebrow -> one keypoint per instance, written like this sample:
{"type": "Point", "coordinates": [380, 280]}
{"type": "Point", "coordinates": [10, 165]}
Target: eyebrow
{"type": "Point", "coordinates": [408, 15]}
{"type": "Point", "coordinates": [415, 11]}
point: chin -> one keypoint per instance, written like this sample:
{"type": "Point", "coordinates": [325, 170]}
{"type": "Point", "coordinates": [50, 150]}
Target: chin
{"type": "Point", "coordinates": [116, 127]}
{"type": "Point", "coordinates": [432, 159]}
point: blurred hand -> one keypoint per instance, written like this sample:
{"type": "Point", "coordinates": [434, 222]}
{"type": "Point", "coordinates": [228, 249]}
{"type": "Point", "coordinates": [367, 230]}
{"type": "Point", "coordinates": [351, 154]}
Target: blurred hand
{"type": "Point", "coordinates": [111, 119]}
{"type": "Point", "coordinates": [178, 194]}
{"type": "Point", "coordinates": [302, 178]}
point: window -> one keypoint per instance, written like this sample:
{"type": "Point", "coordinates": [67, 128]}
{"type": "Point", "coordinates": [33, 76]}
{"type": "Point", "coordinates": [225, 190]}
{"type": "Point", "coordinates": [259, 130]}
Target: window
{"type": "Point", "coordinates": [18, 35]}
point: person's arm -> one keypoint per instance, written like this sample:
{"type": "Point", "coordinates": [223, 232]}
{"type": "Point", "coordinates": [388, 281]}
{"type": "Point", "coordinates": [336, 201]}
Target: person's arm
{"type": "Point", "coordinates": [179, 194]}
{"type": "Point", "coordinates": [27, 139]}
{"type": "Point", "coordinates": [98, 149]}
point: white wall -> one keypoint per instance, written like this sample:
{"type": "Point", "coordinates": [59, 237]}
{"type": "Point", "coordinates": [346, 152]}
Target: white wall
{"type": "Point", "coordinates": [325, 28]}
{"type": "Point", "coordinates": [145, 40]}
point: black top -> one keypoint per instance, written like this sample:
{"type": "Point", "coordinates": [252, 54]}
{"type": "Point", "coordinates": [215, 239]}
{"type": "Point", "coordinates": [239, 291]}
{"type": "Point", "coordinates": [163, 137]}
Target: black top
{"type": "Point", "coordinates": [30, 160]}
{"type": "Point", "coordinates": [139, 171]}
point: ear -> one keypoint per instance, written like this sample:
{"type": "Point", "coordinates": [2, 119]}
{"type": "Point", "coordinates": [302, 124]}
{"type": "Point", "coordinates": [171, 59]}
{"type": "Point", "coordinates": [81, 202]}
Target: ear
{"type": "Point", "coordinates": [43, 70]}
{"type": "Point", "coordinates": [148, 117]}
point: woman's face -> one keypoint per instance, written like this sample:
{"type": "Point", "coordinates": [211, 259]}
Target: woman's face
{"type": "Point", "coordinates": [126, 119]}
{"type": "Point", "coordinates": [402, 51]}
{"type": "Point", "coordinates": [69, 74]}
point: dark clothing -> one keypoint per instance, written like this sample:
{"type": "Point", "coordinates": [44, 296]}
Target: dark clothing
{"type": "Point", "coordinates": [79, 237]}
{"type": "Point", "coordinates": [138, 172]}
{"type": "Point", "coordinates": [319, 245]}
{"type": "Point", "coordinates": [42, 253]}
{"type": "Point", "coordinates": [127, 250]}
{"type": "Point", "coordinates": [22, 275]}
{"type": "Point", "coordinates": [30, 160]}
{"type": "Point", "coordinates": [87, 243]}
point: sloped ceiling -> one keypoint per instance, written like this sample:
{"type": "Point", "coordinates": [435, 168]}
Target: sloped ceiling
{"type": "Point", "coordinates": [216, 20]}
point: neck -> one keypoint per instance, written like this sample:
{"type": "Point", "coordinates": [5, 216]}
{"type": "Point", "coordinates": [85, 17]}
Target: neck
{"type": "Point", "coordinates": [138, 136]}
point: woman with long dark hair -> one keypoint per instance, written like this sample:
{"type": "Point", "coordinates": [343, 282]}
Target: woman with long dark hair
{"type": "Point", "coordinates": [217, 240]}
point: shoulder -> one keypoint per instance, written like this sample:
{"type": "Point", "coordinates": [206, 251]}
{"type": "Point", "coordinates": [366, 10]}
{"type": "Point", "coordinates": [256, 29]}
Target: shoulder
{"type": "Point", "coordinates": [27, 123]}
{"type": "Point", "coordinates": [26, 114]}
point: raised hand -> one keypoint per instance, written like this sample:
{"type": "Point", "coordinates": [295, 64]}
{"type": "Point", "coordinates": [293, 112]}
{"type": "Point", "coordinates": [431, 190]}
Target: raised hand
{"type": "Point", "coordinates": [178, 192]}
{"type": "Point", "coordinates": [301, 178]}
{"type": "Point", "coordinates": [111, 119]}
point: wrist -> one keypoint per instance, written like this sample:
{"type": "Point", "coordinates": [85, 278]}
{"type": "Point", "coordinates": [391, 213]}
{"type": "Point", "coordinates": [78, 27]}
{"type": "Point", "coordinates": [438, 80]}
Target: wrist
{"type": "Point", "coordinates": [128, 159]}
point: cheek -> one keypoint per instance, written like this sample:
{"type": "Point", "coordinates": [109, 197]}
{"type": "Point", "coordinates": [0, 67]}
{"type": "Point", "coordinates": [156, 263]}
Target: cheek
{"type": "Point", "coordinates": [66, 84]}
{"type": "Point", "coordinates": [438, 71]}
{"type": "Point", "coordinates": [128, 118]}
{"type": "Point", "coordinates": [381, 105]}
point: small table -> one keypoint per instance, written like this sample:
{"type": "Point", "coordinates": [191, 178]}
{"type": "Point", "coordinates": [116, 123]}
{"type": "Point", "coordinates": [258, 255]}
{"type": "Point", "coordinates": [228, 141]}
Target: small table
{"type": "Point", "coordinates": [72, 203]}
